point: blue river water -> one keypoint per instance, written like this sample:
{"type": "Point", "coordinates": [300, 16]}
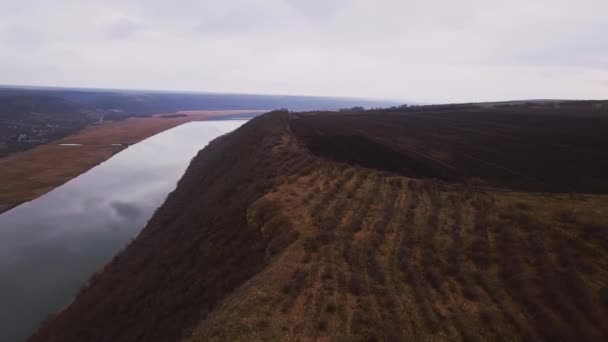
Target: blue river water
{"type": "Point", "coordinates": [50, 246]}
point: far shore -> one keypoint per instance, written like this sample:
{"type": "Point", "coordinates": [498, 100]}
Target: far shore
{"type": "Point", "coordinates": [27, 175]}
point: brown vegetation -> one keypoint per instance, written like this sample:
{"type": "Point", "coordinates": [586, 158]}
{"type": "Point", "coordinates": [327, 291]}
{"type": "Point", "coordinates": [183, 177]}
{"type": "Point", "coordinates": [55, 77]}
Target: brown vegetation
{"type": "Point", "coordinates": [263, 240]}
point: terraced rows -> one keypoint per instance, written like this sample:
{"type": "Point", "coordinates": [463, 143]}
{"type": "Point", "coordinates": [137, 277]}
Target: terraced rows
{"type": "Point", "coordinates": [375, 256]}
{"type": "Point", "coordinates": [393, 258]}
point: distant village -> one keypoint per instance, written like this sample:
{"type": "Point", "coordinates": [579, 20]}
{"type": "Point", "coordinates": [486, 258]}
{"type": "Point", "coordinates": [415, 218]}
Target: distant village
{"type": "Point", "coordinates": [36, 129]}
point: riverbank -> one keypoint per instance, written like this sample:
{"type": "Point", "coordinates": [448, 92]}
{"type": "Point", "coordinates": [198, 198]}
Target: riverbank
{"type": "Point", "coordinates": [27, 175]}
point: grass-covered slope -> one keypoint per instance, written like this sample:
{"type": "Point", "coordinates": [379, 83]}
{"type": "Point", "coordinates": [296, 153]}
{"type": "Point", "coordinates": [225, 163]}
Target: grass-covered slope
{"type": "Point", "coordinates": [387, 258]}
{"type": "Point", "coordinates": [268, 237]}
{"type": "Point", "coordinates": [196, 249]}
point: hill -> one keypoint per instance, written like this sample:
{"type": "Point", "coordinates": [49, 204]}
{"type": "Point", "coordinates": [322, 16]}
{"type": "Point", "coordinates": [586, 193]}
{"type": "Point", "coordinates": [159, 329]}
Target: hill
{"type": "Point", "coordinates": [397, 224]}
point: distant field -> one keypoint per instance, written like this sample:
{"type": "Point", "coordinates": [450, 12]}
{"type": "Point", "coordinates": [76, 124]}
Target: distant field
{"type": "Point", "coordinates": [530, 147]}
{"type": "Point", "coordinates": [27, 175]}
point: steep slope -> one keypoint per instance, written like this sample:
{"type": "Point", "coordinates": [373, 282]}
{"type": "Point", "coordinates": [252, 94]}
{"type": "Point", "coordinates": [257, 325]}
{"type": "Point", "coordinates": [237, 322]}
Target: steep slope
{"type": "Point", "coordinates": [195, 250]}
{"type": "Point", "coordinates": [267, 237]}
{"type": "Point", "coordinates": [388, 258]}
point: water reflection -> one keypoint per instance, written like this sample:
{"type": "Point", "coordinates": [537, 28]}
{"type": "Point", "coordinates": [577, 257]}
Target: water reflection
{"type": "Point", "coordinates": [50, 246]}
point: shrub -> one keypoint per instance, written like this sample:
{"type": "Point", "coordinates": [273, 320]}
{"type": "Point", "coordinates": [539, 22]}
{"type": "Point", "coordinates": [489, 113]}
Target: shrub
{"type": "Point", "coordinates": [413, 185]}
{"type": "Point", "coordinates": [410, 216]}
{"type": "Point", "coordinates": [293, 288]}
{"type": "Point", "coordinates": [486, 316]}
{"type": "Point", "coordinates": [374, 267]}
{"type": "Point", "coordinates": [356, 285]}
{"type": "Point", "coordinates": [593, 231]}
{"type": "Point", "coordinates": [326, 237]}
{"type": "Point", "coordinates": [603, 293]}
{"type": "Point", "coordinates": [432, 275]}
{"type": "Point", "coordinates": [322, 324]}
{"type": "Point", "coordinates": [296, 283]}
{"type": "Point", "coordinates": [311, 244]}
{"type": "Point", "coordinates": [429, 315]}
{"type": "Point", "coordinates": [281, 241]}
{"type": "Point", "coordinates": [565, 215]}
{"type": "Point", "coordinates": [395, 183]}
{"type": "Point", "coordinates": [469, 290]}
{"type": "Point", "coordinates": [348, 252]}
{"type": "Point", "coordinates": [275, 226]}
{"type": "Point", "coordinates": [309, 197]}
{"type": "Point", "coordinates": [327, 274]}
{"type": "Point", "coordinates": [341, 280]}
{"type": "Point", "coordinates": [480, 250]}
{"type": "Point", "coordinates": [348, 174]}
{"type": "Point", "coordinates": [262, 212]}
{"type": "Point", "coordinates": [359, 321]}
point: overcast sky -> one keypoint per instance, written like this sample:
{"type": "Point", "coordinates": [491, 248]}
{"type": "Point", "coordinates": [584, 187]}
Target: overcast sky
{"type": "Point", "coordinates": [427, 50]}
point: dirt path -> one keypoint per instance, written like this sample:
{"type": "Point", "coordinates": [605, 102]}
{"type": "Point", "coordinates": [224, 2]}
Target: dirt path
{"type": "Point", "coordinates": [27, 175]}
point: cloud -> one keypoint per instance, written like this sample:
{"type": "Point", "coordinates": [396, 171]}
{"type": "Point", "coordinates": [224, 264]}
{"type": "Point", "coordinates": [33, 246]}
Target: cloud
{"type": "Point", "coordinates": [126, 211]}
{"type": "Point", "coordinates": [319, 9]}
{"type": "Point", "coordinates": [434, 50]}
{"type": "Point", "coordinates": [121, 27]}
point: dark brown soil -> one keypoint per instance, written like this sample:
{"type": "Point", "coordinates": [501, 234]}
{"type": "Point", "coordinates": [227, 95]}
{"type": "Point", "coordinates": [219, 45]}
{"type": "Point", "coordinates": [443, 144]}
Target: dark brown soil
{"type": "Point", "coordinates": [539, 148]}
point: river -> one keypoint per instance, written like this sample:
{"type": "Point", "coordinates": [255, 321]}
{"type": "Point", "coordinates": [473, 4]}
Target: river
{"type": "Point", "coordinates": [50, 246]}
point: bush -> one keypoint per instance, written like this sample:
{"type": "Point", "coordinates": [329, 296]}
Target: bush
{"type": "Point", "coordinates": [592, 231]}
{"type": "Point", "coordinates": [311, 244]}
{"type": "Point", "coordinates": [375, 269]}
{"type": "Point", "coordinates": [432, 275]}
{"type": "Point", "coordinates": [565, 215]}
{"type": "Point", "coordinates": [263, 211]}
{"type": "Point", "coordinates": [360, 322]}
{"type": "Point", "coordinates": [322, 324]}
{"type": "Point", "coordinates": [356, 285]}
{"type": "Point", "coordinates": [469, 290]}
{"type": "Point", "coordinates": [282, 241]}
{"type": "Point", "coordinates": [523, 206]}
{"type": "Point", "coordinates": [603, 293]}
{"type": "Point", "coordinates": [296, 283]}
{"type": "Point", "coordinates": [486, 316]}
{"type": "Point", "coordinates": [348, 253]}
{"type": "Point", "coordinates": [275, 226]}
{"type": "Point", "coordinates": [326, 237]}
{"type": "Point", "coordinates": [480, 250]}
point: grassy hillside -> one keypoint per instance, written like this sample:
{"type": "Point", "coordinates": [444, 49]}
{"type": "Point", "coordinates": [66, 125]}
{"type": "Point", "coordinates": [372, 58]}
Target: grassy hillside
{"type": "Point", "coordinates": [284, 231]}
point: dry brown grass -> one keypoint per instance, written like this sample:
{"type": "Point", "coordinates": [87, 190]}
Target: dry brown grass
{"type": "Point", "coordinates": [420, 260]}
{"type": "Point", "coordinates": [406, 262]}
{"type": "Point", "coordinates": [356, 254]}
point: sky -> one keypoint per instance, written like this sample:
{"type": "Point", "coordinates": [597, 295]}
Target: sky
{"type": "Point", "coordinates": [407, 50]}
